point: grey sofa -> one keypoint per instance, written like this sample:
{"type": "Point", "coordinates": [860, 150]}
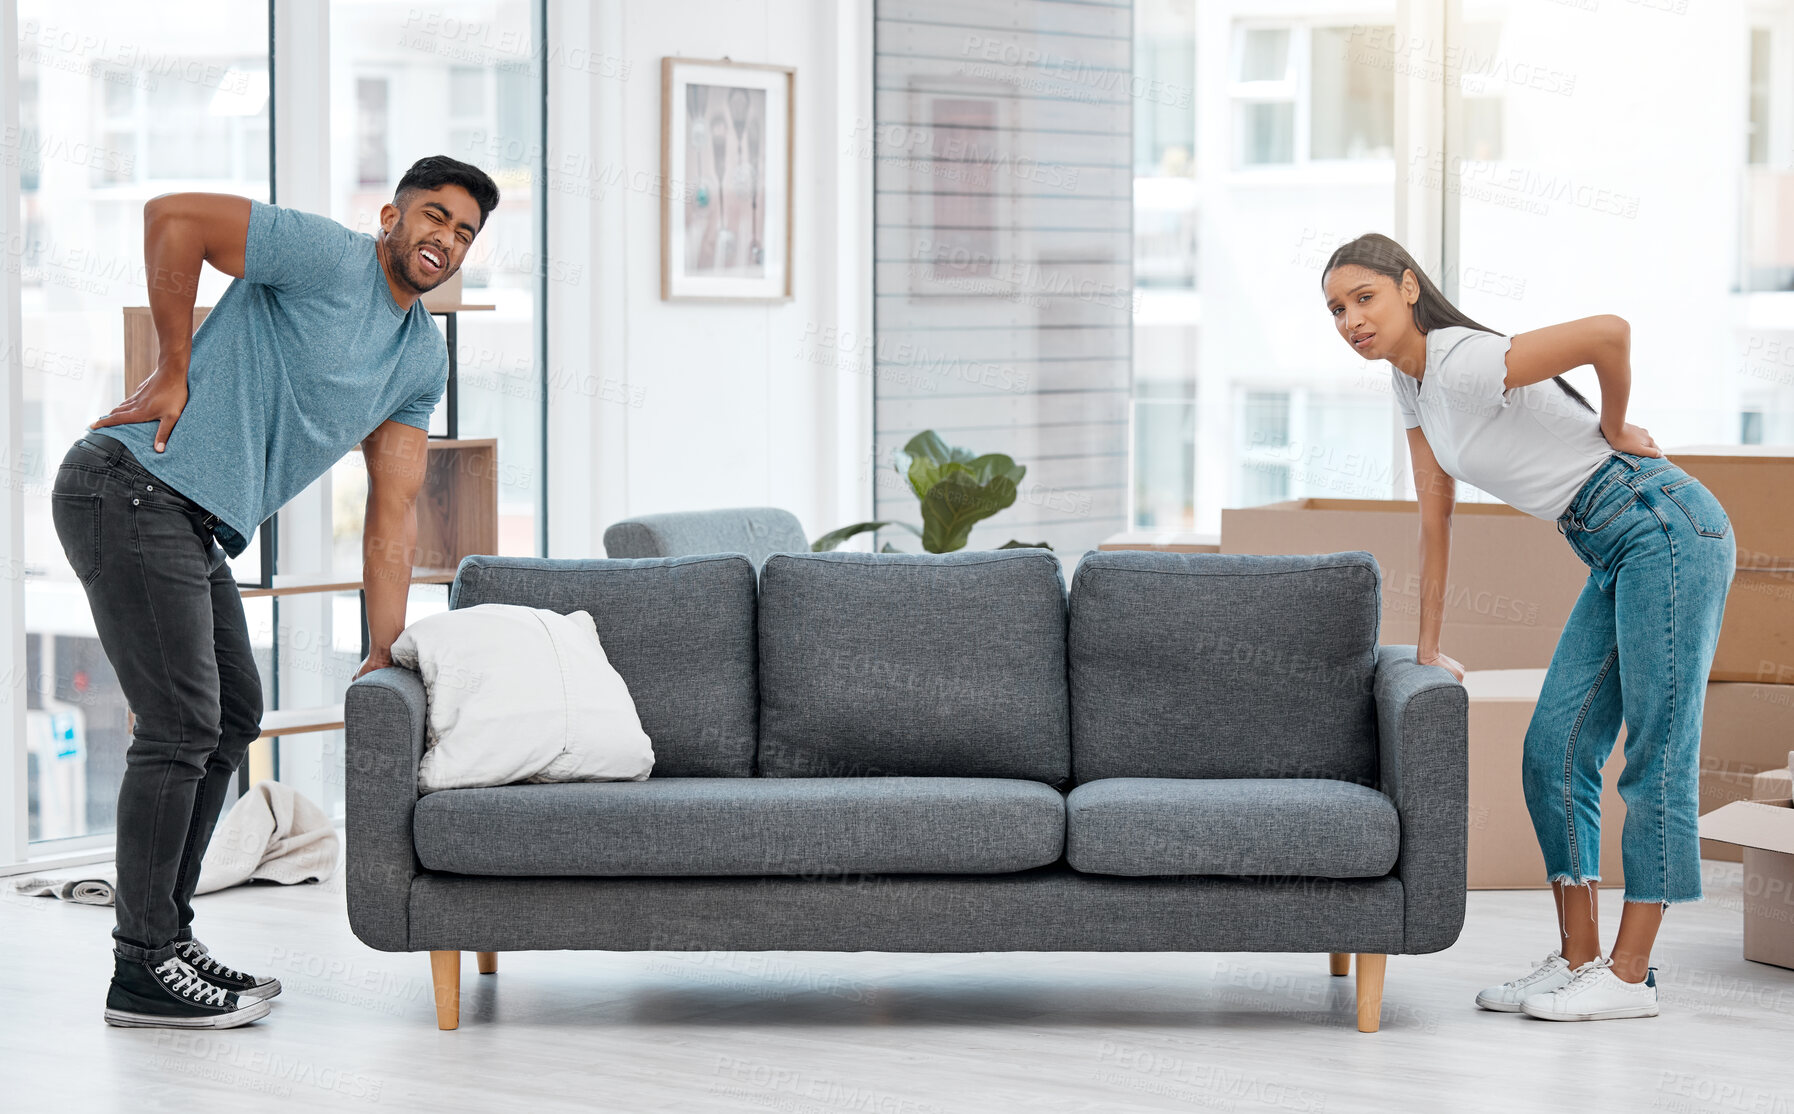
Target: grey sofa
{"type": "Point", "coordinates": [942, 753]}
{"type": "Point", "coordinates": [755, 532]}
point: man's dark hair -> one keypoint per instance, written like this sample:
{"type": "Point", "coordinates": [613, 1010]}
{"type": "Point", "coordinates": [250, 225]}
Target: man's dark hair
{"type": "Point", "coordinates": [436, 171]}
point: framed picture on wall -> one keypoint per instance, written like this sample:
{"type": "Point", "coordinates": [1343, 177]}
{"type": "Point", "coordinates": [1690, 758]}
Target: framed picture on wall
{"type": "Point", "coordinates": [726, 163]}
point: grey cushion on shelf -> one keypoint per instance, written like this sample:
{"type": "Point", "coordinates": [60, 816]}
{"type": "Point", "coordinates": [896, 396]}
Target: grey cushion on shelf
{"type": "Point", "coordinates": [679, 630]}
{"type": "Point", "coordinates": [757, 532]}
{"type": "Point", "coordinates": [939, 665]}
{"type": "Point", "coordinates": [1243, 826]}
{"type": "Point", "coordinates": [751, 826]}
{"type": "Point", "coordinates": [1051, 909]}
{"type": "Point", "coordinates": [1212, 665]}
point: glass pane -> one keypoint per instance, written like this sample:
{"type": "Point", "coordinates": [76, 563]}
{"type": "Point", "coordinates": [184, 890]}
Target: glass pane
{"type": "Point", "coordinates": [1352, 93]}
{"type": "Point", "coordinates": [1758, 125]}
{"type": "Point", "coordinates": [1267, 132]}
{"type": "Point", "coordinates": [1230, 320]}
{"type": "Point", "coordinates": [1164, 87]}
{"type": "Point", "coordinates": [1164, 461]}
{"type": "Point", "coordinates": [371, 123]}
{"type": "Point", "coordinates": [476, 62]}
{"type": "Point", "coordinates": [1482, 128]}
{"type": "Point", "coordinates": [1581, 215]}
{"type": "Point", "coordinates": [1267, 419]}
{"type": "Point", "coordinates": [1343, 451]}
{"type": "Point", "coordinates": [177, 112]}
{"type": "Point", "coordinates": [1264, 54]}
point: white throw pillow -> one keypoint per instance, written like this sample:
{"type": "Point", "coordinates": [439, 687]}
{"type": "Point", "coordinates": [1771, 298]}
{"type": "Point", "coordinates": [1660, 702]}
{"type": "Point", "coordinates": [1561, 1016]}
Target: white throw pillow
{"type": "Point", "coordinates": [520, 694]}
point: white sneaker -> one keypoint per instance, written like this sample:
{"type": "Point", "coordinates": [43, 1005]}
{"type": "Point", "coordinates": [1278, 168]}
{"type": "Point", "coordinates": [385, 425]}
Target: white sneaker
{"type": "Point", "coordinates": [1595, 994]}
{"type": "Point", "coordinates": [1552, 972]}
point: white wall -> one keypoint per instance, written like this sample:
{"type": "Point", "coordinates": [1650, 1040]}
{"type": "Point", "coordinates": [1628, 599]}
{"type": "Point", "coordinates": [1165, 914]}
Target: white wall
{"type": "Point", "coordinates": [729, 412]}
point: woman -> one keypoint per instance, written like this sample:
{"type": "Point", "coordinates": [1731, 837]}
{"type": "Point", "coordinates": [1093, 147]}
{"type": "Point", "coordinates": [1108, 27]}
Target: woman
{"type": "Point", "coordinates": [1492, 411]}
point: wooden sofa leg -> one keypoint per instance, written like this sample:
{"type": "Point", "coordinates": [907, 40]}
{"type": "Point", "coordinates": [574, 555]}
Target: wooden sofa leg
{"type": "Point", "coordinates": [445, 972]}
{"type": "Point", "coordinates": [488, 962]}
{"type": "Point", "coordinates": [1370, 991]}
{"type": "Point", "coordinates": [1339, 963]}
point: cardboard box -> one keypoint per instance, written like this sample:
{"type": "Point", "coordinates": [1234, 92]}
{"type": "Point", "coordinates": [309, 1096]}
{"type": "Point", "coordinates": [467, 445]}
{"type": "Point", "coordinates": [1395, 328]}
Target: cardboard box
{"type": "Point", "coordinates": [1745, 729]}
{"type": "Point", "coordinates": [1504, 850]}
{"type": "Point", "coordinates": [1163, 541]}
{"type": "Point", "coordinates": [1512, 582]}
{"type": "Point", "coordinates": [1765, 831]}
{"type": "Point", "coordinates": [1755, 485]}
{"type": "Point", "coordinates": [1772, 785]}
{"type": "Point", "coordinates": [1756, 638]}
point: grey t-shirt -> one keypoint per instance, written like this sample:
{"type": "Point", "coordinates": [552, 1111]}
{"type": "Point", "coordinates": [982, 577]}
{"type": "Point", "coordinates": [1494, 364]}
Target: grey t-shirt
{"type": "Point", "coordinates": [301, 358]}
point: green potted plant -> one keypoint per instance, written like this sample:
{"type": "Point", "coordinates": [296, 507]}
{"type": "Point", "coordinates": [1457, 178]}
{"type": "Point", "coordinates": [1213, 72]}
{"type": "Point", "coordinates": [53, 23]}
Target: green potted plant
{"type": "Point", "coordinates": [956, 489]}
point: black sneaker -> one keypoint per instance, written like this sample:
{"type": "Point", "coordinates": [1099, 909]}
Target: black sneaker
{"type": "Point", "coordinates": [172, 995]}
{"type": "Point", "coordinates": [216, 973]}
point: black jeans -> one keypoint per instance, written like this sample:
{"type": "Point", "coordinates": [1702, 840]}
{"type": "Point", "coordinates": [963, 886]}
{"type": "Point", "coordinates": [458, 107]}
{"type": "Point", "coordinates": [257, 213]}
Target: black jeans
{"type": "Point", "coordinates": [171, 622]}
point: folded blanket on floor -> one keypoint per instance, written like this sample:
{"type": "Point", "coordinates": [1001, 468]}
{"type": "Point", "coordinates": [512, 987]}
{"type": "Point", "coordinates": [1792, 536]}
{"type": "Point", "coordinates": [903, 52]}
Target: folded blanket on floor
{"type": "Point", "coordinates": [91, 889]}
{"type": "Point", "coordinates": [272, 834]}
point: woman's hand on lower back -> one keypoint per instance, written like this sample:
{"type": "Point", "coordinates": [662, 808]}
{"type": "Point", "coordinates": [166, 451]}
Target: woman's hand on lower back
{"type": "Point", "coordinates": [1634, 439]}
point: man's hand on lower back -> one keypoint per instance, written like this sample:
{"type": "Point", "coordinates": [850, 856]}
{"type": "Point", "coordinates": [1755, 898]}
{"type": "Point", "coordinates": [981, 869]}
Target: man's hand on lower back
{"type": "Point", "coordinates": [161, 398]}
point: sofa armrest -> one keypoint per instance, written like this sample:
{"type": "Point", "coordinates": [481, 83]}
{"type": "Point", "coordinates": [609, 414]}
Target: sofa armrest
{"type": "Point", "coordinates": [384, 714]}
{"type": "Point", "coordinates": [1423, 735]}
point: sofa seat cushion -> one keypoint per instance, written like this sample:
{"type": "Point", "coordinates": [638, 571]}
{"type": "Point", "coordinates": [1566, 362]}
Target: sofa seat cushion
{"type": "Point", "coordinates": [737, 826]}
{"type": "Point", "coordinates": [1311, 827]}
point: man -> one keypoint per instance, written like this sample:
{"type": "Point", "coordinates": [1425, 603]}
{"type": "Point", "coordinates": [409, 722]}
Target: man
{"type": "Point", "coordinates": [320, 343]}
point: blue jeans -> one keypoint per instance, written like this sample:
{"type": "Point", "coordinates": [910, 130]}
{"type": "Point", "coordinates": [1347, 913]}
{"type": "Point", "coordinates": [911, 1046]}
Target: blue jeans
{"type": "Point", "coordinates": [1638, 645]}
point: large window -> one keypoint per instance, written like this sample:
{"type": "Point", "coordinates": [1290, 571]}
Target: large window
{"type": "Point", "coordinates": [1566, 185]}
{"type": "Point", "coordinates": [1583, 207]}
{"type": "Point", "coordinates": [1242, 395]}
{"type": "Point", "coordinates": [118, 102]}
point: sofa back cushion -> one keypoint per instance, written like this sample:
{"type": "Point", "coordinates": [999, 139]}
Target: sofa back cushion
{"type": "Point", "coordinates": [679, 630]}
{"type": "Point", "coordinates": [1211, 665]}
{"type": "Point", "coordinates": [928, 665]}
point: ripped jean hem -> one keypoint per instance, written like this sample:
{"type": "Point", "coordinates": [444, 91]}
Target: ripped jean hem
{"type": "Point", "coordinates": [1566, 876]}
{"type": "Point", "coordinates": [1665, 901]}
{"type": "Point", "coordinates": [1570, 879]}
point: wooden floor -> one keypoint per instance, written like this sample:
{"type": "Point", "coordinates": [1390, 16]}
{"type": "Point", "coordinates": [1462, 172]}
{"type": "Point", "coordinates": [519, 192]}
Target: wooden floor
{"type": "Point", "coordinates": [816, 1033]}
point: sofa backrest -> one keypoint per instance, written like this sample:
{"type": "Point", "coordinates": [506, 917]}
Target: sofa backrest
{"type": "Point", "coordinates": [1211, 665]}
{"type": "Point", "coordinates": [680, 631]}
{"type": "Point", "coordinates": [949, 665]}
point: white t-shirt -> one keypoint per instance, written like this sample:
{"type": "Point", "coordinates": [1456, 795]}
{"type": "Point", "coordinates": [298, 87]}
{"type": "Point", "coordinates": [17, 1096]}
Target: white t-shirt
{"type": "Point", "coordinates": [1533, 447]}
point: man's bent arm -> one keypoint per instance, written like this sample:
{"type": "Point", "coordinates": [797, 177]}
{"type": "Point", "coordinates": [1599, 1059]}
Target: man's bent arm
{"type": "Point", "coordinates": [181, 231]}
{"type": "Point", "coordinates": [396, 460]}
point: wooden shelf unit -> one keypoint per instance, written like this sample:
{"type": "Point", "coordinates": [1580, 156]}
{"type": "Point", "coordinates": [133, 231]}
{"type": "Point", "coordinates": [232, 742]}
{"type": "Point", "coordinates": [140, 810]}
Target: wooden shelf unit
{"type": "Point", "coordinates": [295, 721]}
{"type": "Point", "coordinates": [300, 585]}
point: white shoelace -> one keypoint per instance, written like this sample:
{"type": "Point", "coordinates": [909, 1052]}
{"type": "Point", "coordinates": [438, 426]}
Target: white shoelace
{"type": "Point", "coordinates": [190, 984]}
{"type": "Point", "coordinates": [197, 956]}
{"type": "Point", "coordinates": [1545, 968]}
{"type": "Point", "coordinates": [1586, 976]}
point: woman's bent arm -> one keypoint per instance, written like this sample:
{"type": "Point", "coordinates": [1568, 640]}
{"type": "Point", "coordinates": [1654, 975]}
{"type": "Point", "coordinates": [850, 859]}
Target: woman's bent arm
{"type": "Point", "coordinates": [1438, 494]}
